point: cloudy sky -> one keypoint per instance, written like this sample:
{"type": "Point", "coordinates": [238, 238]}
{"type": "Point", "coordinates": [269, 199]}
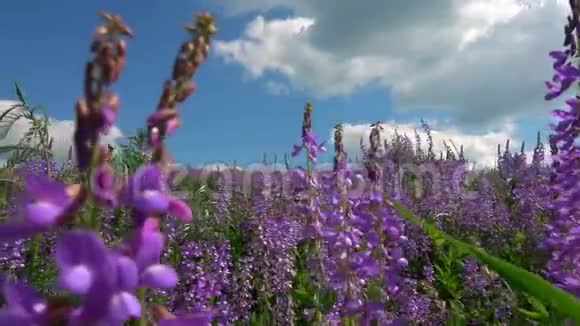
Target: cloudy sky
{"type": "Point", "coordinates": [473, 68]}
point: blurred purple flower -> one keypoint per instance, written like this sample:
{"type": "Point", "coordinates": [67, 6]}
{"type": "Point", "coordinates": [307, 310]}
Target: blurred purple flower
{"type": "Point", "coordinates": [82, 259]}
{"type": "Point", "coordinates": [42, 205]}
{"type": "Point", "coordinates": [145, 247]}
{"type": "Point", "coordinates": [145, 192]}
{"type": "Point", "coordinates": [103, 186]}
{"type": "Point", "coordinates": [106, 279]}
{"type": "Point", "coordinates": [23, 305]}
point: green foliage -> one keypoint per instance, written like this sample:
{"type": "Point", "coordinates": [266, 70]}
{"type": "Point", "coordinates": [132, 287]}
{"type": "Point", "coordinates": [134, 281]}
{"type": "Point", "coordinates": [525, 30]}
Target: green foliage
{"type": "Point", "coordinates": [516, 277]}
{"type": "Point", "coordinates": [36, 141]}
{"type": "Point", "coordinates": [128, 157]}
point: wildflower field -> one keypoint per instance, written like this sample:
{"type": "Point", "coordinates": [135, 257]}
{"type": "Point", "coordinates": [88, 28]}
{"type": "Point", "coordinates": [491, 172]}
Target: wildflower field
{"type": "Point", "coordinates": [120, 235]}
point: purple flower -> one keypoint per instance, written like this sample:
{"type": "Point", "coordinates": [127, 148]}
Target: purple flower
{"type": "Point", "coordinates": [565, 76]}
{"type": "Point", "coordinates": [23, 305]}
{"type": "Point", "coordinates": [146, 247]}
{"type": "Point", "coordinates": [560, 58]}
{"type": "Point", "coordinates": [562, 230]}
{"type": "Point", "coordinates": [42, 205]}
{"type": "Point", "coordinates": [165, 117]}
{"type": "Point", "coordinates": [106, 279]}
{"type": "Point", "coordinates": [82, 259]}
{"type": "Point", "coordinates": [123, 304]}
{"type": "Point", "coordinates": [310, 144]}
{"type": "Point", "coordinates": [145, 192]}
{"type": "Point", "coordinates": [103, 186]}
{"type": "Point", "coordinates": [44, 201]}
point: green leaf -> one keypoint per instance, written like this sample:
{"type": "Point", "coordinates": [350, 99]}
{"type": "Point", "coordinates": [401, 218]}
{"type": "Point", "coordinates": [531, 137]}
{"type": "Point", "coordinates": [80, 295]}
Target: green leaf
{"type": "Point", "coordinates": [303, 296]}
{"type": "Point", "coordinates": [327, 298]}
{"type": "Point", "coordinates": [20, 93]}
{"type": "Point", "coordinates": [532, 314]}
{"type": "Point", "coordinates": [438, 241]}
{"type": "Point", "coordinates": [9, 117]}
{"type": "Point", "coordinates": [516, 277]}
{"type": "Point", "coordinates": [539, 308]}
{"type": "Point", "coordinates": [8, 148]}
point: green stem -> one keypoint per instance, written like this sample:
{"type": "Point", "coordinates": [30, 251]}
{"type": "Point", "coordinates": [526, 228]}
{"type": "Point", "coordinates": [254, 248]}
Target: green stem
{"type": "Point", "coordinates": [93, 216]}
{"type": "Point", "coordinates": [141, 296]}
{"type": "Point", "coordinates": [95, 220]}
{"type": "Point", "coordinates": [33, 260]}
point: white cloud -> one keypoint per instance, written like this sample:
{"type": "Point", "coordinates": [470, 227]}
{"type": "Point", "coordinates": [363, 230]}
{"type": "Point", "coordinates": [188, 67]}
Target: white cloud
{"type": "Point", "coordinates": [484, 60]}
{"type": "Point", "coordinates": [60, 130]}
{"type": "Point", "coordinates": [480, 149]}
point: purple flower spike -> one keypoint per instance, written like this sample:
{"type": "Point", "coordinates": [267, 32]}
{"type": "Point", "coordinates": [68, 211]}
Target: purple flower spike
{"type": "Point", "coordinates": [310, 144]}
{"type": "Point", "coordinates": [82, 259]}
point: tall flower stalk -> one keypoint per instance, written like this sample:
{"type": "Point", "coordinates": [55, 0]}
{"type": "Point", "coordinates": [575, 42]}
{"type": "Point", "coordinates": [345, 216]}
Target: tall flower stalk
{"type": "Point", "coordinates": [165, 120]}
{"type": "Point", "coordinates": [564, 228]}
{"type": "Point", "coordinates": [108, 283]}
{"type": "Point", "coordinates": [312, 215]}
{"type": "Point", "coordinates": [342, 238]}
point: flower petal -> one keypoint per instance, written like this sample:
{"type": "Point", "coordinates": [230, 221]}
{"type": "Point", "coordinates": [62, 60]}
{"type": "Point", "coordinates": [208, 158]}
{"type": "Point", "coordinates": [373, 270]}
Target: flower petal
{"type": "Point", "coordinates": [123, 306]}
{"type": "Point", "coordinates": [40, 188]}
{"type": "Point", "coordinates": [180, 209]}
{"type": "Point", "coordinates": [15, 319]}
{"type": "Point", "coordinates": [128, 273]}
{"type": "Point", "coordinates": [42, 213]}
{"type": "Point", "coordinates": [152, 202]}
{"type": "Point", "coordinates": [159, 276]}
{"type": "Point", "coordinates": [148, 246]}
{"type": "Point", "coordinates": [77, 279]}
{"type": "Point", "coordinates": [148, 177]}
{"type": "Point", "coordinates": [103, 186]}
{"type": "Point", "coordinates": [18, 294]}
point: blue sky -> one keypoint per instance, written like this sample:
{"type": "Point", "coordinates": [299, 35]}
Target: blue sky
{"type": "Point", "coordinates": [233, 115]}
